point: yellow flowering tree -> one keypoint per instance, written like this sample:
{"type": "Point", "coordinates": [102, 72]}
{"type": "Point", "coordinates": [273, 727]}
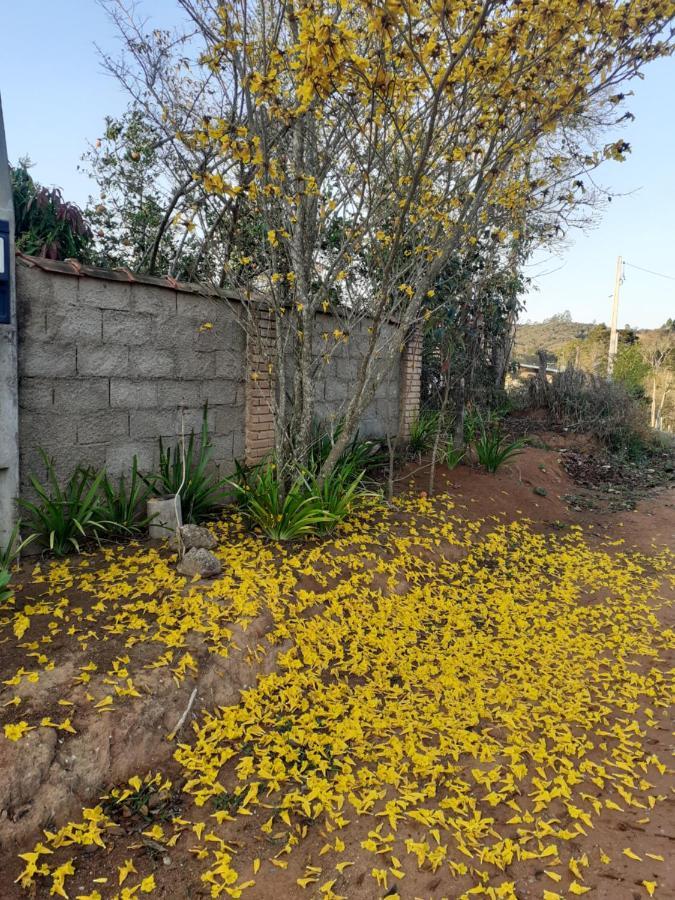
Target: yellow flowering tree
{"type": "Point", "coordinates": [370, 141]}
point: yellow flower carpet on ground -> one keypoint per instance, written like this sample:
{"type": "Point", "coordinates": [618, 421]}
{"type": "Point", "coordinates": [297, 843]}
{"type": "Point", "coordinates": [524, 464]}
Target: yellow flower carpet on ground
{"type": "Point", "coordinates": [454, 697]}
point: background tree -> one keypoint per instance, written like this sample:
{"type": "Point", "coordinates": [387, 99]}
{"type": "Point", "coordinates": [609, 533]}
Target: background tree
{"type": "Point", "coordinates": [127, 216]}
{"type": "Point", "coordinates": [631, 368]}
{"type": "Point", "coordinates": [389, 132]}
{"type": "Point", "coordinates": [46, 224]}
{"type": "Point", "coordinates": [659, 357]}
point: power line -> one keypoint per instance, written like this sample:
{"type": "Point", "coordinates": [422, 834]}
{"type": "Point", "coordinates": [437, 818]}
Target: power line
{"type": "Point", "coordinates": [650, 271]}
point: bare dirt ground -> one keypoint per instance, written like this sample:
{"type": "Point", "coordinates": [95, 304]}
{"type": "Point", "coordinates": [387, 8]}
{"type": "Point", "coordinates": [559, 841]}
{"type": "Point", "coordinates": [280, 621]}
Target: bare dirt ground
{"type": "Point", "coordinates": [122, 681]}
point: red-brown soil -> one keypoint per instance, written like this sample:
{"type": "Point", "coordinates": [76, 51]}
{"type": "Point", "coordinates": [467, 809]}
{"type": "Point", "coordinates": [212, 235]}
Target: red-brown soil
{"type": "Point", "coordinates": [47, 776]}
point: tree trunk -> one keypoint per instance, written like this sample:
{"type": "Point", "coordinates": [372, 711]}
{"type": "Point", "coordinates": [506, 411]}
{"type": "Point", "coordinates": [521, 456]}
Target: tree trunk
{"type": "Point", "coordinates": [437, 437]}
{"type": "Point", "coordinates": [460, 409]}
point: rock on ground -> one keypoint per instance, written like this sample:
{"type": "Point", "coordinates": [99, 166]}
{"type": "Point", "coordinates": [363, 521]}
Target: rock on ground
{"type": "Point", "coordinates": [195, 537]}
{"type": "Point", "coordinates": [200, 561]}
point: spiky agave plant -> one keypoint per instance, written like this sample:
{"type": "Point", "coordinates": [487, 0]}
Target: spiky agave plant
{"type": "Point", "coordinates": [282, 515]}
{"type": "Point", "coordinates": [202, 490]}
{"type": "Point", "coordinates": [63, 515]}
{"type": "Point", "coordinates": [122, 503]}
{"type": "Point", "coordinates": [493, 449]}
{"type": "Point", "coordinates": [422, 432]}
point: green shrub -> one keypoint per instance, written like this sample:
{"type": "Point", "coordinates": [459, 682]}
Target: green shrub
{"type": "Point", "coordinates": [203, 489]}
{"type": "Point", "coordinates": [476, 421]}
{"type": "Point", "coordinates": [123, 505]}
{"type": "Point", "coordinates": [422, 432]}
{"type": "Point", "coordinates": [8, 556]}
{"type": "Point", "coordinates": [493, 449]}
{"type": "Point", "coordinates": [10, 552]}
{"type": "Point", "coordinates": [281, 516]}
{"type": "Point", "coordinates": [62, 516]}
{"type": "Point", "coordinates": [358, 456]}
{"type": "Point", "coordinates": [5, 593]}
{"type": "Point", "coordinates": [305, 508]}
{"type": "Point", "coordinates": [453, 456]}
{"type": "Point", "coordinates": [585, 403]}
{"type": "Point", "coordinates": [338, 494]}
{"type": "Point", "coordinates": [46, 224]}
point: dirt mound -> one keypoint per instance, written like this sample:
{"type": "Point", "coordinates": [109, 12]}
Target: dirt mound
{"type": "Point", "coordinates": [533, 484]}
{"type": "Point", "coordinates": [50, 774]}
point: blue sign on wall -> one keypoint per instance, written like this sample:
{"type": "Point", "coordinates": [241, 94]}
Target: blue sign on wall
{"type": "Point", "coordinates": [5, 306]}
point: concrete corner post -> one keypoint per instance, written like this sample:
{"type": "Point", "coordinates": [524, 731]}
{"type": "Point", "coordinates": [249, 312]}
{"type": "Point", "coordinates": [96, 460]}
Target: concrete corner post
{"type": "Point", "coordinates": [9, 377]}
{"type": "Point", "coordinates": [260, 385]}
{"type": "Point", "coordinates": [410, 382]}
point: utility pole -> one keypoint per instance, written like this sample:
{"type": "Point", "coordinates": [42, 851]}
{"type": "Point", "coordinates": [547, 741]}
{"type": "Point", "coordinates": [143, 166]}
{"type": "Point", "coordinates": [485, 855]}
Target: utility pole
{"type": "Point", "coordinates": [614, 334]}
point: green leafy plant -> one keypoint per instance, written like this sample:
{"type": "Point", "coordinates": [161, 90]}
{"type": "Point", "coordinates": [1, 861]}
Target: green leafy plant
{"type": "Point", "coordinates": [203, 489]}
{"type": "Point", "coordinates": [358, 456]}
{"type": "Point", "coordinates": [242, 475]}
{"type": "Point", "coordinates": [46, 224]}
{"type": "Point", "coordinates": [580, 402]}
{"type": "Point", "coordinates": [338, 494]}
{"type": "Point", "coordinates": [8, 556]}
{"type": "Point", "coordinates": [422, 432]}
{"type": "Point", "coordinates": [281, 516]}
{"type": "Point", "coordinates": [493, 449]}
{"type": "Point", "coordinates": [472, 426]}
{"type": "Point", "coordinates": [454, 456]}
{"type": "Point", "coordinates": [122, 503]}
{"type": "Point", "coordinates": [10, 552]}
{"type": "Point", "coordinates": [63, 515]}
{"type": "Point", "coordinates": [477, 421]}
{"type": "Point", "coordinates": [5, 593]}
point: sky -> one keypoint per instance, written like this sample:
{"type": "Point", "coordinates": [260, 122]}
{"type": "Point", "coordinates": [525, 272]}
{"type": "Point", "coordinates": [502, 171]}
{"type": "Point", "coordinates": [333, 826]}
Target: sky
{"type": "Point", "coordinates": [56, 94]}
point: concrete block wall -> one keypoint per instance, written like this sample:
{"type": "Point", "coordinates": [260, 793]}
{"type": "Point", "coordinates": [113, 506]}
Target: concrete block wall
{"type": "Point", "coordinates": [110, 362]}
{"type": "Point", "coordinates": [107, 367]}
{"type": "Point", "coordinates": [337, 375]}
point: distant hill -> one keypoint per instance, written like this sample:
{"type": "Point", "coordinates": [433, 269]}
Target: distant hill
{"type": "Point", "coordinates": [559, 333]}
{"type": "Point", "coordinates": [551, 335]}
{"type": "Point", "coordinates": [644, 363]}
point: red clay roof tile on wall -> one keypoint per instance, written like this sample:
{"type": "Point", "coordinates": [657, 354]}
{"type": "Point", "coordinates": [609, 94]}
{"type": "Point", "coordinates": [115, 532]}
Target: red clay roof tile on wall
{"type": "Point", "coordinates": [75, 268]}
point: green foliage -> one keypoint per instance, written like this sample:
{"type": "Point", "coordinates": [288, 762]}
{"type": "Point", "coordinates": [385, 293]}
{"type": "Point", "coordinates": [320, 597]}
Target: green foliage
{"type": "Point", "coordinates": [423, 431]}
{"type": "Point", "coordinates": [338, 494]}
{"type": "Point", "coordinates": [5, 593]}
{"type": "Point", "coordinates": [280, 515]}
{"type": "Point", "coordinates": [8, 556]}
{"type": "Point", "coordinates": [468, 336]}
{"type": "Point", "coordinates": [10, 552]}
{"type": "Point", "coordinates": [477, 421]}
{"type": "Point", "coordinates": [203, 490]}
{"type": "Point", "coordinates": [631, 369]}
{"type": "Point", "coordinates": [148, 217]}
{"type": "Point", "coordinates": [358, 456]}
{"type": "Point", "coordinates": [493, 449]}
{"type": "Point", "coordinates": [128, 215]}
{"type": "Point", "coordinates": [454, 456]}
{"type": "Point", "coordinates": [123, 505]}
{"type": "Point", "coordinates": [585, 403]}
{"type": "Point", "coordinates": [46, 224]}
{"type": "Point", "coordinates": [308, 506]}
{"type": "Point", "coordinates": [64, 515]}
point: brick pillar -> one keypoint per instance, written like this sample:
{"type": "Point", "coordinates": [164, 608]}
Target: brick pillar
{"type": "Point", "coordinates": [260, 385]}
{"type": "Point", "coordinates": [410, 382]}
